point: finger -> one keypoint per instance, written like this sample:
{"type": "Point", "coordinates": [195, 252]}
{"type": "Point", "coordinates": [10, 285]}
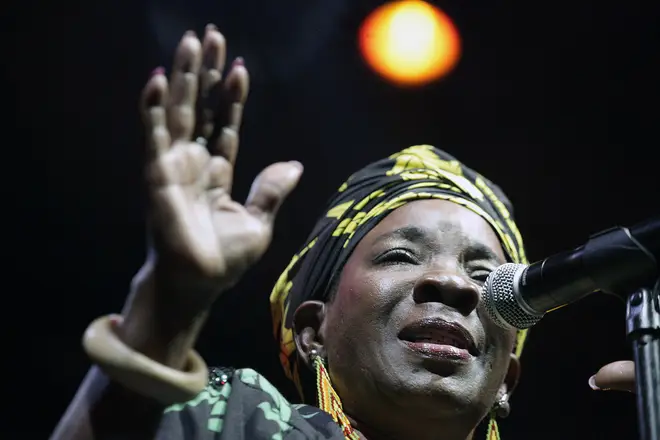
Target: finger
{"type": "Point", "coordinates": [227, 145]}
{"type": "Point", "coordinates": [220, 174]}
{"type": "Point", "coordinates": [615, 376]}
{"type": "Point", "coordinates": [213, 62]}
{"type": "Point", "coordinates": [237, 88]}
{"type": "Point", "coordinates": [152, 108]}
{"type": "Point", "coordinates": [271, 187]}
{"type": "Point", "coordinates": [183, 88]}
{"type": "Point", "coordinates": [224, 142]}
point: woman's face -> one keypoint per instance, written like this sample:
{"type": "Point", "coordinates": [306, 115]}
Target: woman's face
{"type": "Point", "coordinates": [405, 335]}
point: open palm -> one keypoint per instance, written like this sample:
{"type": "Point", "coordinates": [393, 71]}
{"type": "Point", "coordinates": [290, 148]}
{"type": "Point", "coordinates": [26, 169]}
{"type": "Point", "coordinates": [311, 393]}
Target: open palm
{"type": "Point", "coordinates": [192, 124]}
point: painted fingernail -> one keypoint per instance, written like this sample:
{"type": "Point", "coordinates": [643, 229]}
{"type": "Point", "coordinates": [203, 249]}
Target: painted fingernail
{"type": "Point", "coordinates": [592, 383]}
{"type": "Point", "coordinates": [239, 61]}
{"type": "Point", "coordinates": [157, 71]}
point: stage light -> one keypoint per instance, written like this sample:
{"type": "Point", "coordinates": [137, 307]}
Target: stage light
{"type": "Point", "coordinates": [409, 42]}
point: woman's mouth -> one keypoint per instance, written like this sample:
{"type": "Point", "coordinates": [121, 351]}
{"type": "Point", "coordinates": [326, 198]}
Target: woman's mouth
{"type": "Point", "coordinates": [439, 339]}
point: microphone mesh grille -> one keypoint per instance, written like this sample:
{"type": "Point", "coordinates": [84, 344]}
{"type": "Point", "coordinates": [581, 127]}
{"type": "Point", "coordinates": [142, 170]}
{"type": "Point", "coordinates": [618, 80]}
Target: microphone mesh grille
{"type": "Point", "coordinates": [500, 300]}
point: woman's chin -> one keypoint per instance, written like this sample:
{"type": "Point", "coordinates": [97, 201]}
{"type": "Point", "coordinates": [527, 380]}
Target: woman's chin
{"type": "Point", "coordinates": [431, 393]}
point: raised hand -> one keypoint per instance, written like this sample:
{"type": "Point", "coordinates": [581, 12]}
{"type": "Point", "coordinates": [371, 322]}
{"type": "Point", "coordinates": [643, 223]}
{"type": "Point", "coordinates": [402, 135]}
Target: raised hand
{"type": "Point", "coordinates": [201, 237]}
{"type": "Point", "coordinates": [202, 240]}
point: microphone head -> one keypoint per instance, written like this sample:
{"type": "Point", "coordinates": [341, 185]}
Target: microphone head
{"type": "Point", "coordinates": [502, 300]}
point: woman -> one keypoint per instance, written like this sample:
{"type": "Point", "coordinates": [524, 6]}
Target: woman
{"type": "Point", "coordinates": [378, 315]}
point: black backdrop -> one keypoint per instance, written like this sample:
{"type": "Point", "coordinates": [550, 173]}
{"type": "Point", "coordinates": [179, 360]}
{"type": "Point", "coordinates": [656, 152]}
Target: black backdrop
{"type": "Point", "coordinates": [555, 101]}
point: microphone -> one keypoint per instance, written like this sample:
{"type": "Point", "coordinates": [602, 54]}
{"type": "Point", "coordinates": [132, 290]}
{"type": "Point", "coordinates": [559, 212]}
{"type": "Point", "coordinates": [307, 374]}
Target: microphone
{"type": "Point", "coordinates": [618, 260]}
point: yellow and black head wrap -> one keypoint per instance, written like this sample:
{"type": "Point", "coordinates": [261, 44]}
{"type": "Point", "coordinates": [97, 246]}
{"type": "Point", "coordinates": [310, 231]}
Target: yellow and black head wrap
{"type": "Point", "coordinates": [419, 172]}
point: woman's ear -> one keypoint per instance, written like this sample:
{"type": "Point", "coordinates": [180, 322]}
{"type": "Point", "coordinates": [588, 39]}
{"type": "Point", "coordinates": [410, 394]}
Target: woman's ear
{"type": "Point", "coordinates": [307, 321]}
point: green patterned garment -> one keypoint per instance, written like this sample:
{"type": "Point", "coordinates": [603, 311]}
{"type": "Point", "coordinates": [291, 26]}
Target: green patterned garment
{"type": "Point", "coordinates": [243, 405]}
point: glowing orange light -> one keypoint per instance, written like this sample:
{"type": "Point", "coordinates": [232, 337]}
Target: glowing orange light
{"type": "Point", "coordinates": [409, 42]}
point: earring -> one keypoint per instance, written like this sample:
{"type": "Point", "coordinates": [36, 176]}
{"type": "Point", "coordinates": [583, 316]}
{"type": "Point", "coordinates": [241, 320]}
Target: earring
{"type": "Point", "coordinates": [502, 407]}
{"type": "Point", "coordinates": [327, 397]}
{"type": "Point", "coordinates": [493, 432]}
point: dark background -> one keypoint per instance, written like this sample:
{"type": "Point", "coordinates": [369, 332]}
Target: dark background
{"type": "Point", "coordinates": [557, 102]}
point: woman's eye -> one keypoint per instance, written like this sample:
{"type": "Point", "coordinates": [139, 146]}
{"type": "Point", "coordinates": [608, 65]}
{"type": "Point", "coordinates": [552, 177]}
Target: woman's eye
{"type": "Point", "coordinates": [397, 256]}
{"type": "Point", "coordinates": [480, 275]}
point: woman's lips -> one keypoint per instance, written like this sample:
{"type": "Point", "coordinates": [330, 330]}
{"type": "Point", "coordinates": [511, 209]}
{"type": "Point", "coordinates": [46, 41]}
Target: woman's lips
{"type": "Point", "coordinates": [434, 336]}
{"type": "Point", "coordinates": [439, 351]}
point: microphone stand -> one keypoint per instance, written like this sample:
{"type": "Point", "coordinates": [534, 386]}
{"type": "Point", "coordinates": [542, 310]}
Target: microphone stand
{"type": "Point", "coordinates": [608, 255]}
{"type": "Point", "coordinates": [643, 331]}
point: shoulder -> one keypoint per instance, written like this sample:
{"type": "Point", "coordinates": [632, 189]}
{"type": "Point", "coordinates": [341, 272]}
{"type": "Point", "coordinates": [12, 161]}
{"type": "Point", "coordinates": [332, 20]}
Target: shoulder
{"type": "Point", "coordinates": [229, 384]}
{"type": "Point", "coordinates": [242, 404]}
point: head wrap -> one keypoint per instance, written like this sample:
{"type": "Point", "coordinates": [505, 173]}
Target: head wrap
{"type": "Point", "coordinates": [416, 173]}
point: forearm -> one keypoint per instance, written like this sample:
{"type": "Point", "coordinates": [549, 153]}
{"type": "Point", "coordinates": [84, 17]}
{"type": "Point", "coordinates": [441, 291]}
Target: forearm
{"type": "Point", "coordinates": [103, 409]}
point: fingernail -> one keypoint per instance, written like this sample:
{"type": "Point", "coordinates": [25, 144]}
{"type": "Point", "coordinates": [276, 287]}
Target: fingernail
{"type": "Point", "coordinates": [190, 34]}
{"type": "Point", "coordinates": [211, 27]}
{"type": "Point", "coordinates": [157, 71]}
{"type": "Point", "coordinates": [592, 383]}
{"type": "Point", "coordinates": [239, 61]}
{"type": "Point", "coordinates": [297, 165]}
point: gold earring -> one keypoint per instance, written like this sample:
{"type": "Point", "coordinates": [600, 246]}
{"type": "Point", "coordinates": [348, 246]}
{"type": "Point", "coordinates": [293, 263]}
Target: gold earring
{"type": "Point", "coordinates": [327, 397]}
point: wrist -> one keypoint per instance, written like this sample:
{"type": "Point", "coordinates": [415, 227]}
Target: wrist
{"type": "Point", "coordinates": [157, 323]}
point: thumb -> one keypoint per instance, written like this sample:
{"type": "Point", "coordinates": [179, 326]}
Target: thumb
{"type": "Point", "coordinates": [271, 187]}
{"type": "Point", "coordinates": [618, 376]}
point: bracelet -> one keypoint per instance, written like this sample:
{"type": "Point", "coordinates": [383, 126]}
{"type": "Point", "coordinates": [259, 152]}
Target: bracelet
{"type": "Point", "coordinates": [139, 373]}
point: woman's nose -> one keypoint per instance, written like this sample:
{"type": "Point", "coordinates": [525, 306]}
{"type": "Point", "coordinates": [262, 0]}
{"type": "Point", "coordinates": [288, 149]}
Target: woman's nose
{"type": "Point", "coordinates": [449, 288]}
